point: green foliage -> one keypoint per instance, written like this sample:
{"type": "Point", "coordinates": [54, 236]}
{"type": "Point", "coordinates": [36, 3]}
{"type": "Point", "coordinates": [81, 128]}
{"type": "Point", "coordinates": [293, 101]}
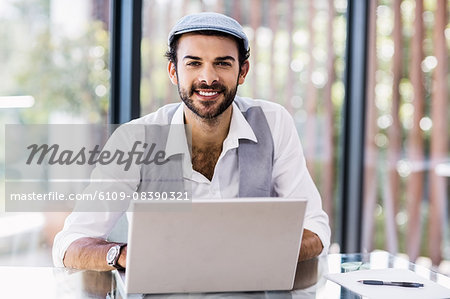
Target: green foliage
{"type": "Point", "coordinates": [65, 74]}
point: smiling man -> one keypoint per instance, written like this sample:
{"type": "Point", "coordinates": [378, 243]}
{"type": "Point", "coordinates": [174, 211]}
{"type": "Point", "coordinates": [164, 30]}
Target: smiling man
{"type": "Point", "coordinates": [207, 73]}
{"type": "Point", "coordinates": [240, 147]}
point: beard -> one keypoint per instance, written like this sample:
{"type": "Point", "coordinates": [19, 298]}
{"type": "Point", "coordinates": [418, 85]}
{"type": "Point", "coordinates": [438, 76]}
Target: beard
{"type": "Point", "coordinates": [208, 110]}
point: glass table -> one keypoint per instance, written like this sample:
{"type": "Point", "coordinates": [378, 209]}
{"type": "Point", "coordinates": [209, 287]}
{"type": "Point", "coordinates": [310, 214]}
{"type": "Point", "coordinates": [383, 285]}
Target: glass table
{"type": "Point", "coordinates": [46, 282]}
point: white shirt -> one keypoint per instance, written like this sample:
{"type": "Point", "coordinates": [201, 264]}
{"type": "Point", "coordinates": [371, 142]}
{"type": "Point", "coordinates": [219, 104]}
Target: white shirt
{"type": "Point", "coordinates": [290, 177]}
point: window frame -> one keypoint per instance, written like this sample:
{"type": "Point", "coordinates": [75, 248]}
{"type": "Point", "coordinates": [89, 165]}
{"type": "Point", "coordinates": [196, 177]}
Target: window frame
{"type": "Point", "coordinates": [126, 34]}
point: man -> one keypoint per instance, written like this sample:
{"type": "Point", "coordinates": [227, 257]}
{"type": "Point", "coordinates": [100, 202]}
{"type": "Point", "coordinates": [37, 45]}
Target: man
{"type": "Point", "coordinates": [208, 59]}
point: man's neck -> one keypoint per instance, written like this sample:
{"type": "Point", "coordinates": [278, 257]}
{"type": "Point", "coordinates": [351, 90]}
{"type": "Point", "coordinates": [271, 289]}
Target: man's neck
{"type": "Point", "coordinates": [208, 132]}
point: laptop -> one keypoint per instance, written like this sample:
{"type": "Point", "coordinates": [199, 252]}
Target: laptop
{"type": "Point", "coordinates": [214, 245]}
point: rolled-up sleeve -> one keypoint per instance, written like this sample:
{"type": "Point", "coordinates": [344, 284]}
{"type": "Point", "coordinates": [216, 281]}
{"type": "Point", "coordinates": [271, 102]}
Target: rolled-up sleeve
{"type": "Point", "coordinates": [80, 225]}
{"type": "Point", "coordinates": [291, 178]}
{"type": "Point", "coordinates": [97, 220]}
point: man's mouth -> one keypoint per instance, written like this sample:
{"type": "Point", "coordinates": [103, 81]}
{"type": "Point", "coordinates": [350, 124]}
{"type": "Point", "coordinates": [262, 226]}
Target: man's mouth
{"type": "Point", "coordinates": [208, 94]}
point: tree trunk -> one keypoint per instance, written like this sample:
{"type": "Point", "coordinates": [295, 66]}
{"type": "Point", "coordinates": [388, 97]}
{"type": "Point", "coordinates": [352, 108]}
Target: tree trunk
{"type": "Point", "coordinates": [148, 103]}
{"type": "Point", "coordinates": [371, 150]}
{"type": "Point", "coordinates": [237, 11]}
{"type": "Point", "coordinates": [255, 20]}
{"type": "Point", "coordinates": [219, 6]}
{"type": "Point", "coordinates": [394, 149]}
{"type": "Point", "coordinates": [290, 78]}
{"type": "Point", "coordinates": [329, 148]}
{"type": "Point", "coordinates": [414, 188]}
{"type": "Point", "coordinates": [170, 94]}
{"type": "Point", "coordinates": [439, 133]}
{"type": "Point", "coordinates": [273, 24]}
{"type": "Point", "coordinates": [311, 95]}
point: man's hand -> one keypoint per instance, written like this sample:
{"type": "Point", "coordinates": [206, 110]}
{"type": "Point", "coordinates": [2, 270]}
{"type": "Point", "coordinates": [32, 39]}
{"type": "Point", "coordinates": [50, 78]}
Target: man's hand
{"type": "Point", "coordinates": [90, 254]}
{"type": "Point", "coordinates": [311, 246]}
{"type": "Point", "coordinates": [123, 257]}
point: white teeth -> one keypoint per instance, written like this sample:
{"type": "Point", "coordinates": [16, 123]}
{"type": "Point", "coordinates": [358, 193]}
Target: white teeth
{"type": "Point", "coordinates": [207, 94]}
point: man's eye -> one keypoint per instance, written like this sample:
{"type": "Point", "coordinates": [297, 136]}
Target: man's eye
{"type": "Point", "coordinates": [223, 63]}
{"type": "Point", "coordinates": [193, 63]}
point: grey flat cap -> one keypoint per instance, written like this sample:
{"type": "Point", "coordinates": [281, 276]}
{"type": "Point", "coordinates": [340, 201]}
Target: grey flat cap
{"type": "Point", "coordinates": [208, 21]}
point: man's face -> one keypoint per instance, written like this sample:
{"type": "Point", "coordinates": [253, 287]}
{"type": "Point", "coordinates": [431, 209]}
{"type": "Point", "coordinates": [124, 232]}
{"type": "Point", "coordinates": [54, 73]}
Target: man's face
{"type": "Point", "coordinates": [207, 73]}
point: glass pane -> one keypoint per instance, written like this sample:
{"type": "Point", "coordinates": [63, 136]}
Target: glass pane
{"type": "Point", "coordinates": [54, 56]}
{"type": "Point", "coordinates": [406, 189]}
{"type": "Point", "coordinates": [297, 60]}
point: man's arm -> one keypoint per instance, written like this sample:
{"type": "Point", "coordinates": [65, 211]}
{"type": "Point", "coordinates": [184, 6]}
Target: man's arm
{"type": "Point", "coordinates": [90, 253]}
{"type": "Point", "coordinates": [311, 246]}
{"type": "Point", "coordinates": [292, 180]}
{"type": "Point", "coordinates": [81, 243]}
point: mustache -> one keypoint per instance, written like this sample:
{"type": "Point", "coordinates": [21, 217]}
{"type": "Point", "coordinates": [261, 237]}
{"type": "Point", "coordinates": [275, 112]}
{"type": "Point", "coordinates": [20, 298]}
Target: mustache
{"type": "Point", "coordinates": [215, 86]}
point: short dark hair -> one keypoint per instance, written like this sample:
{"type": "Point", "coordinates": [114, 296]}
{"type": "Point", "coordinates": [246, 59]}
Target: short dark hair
{"type": "Point", "coordinates": [244, 54]}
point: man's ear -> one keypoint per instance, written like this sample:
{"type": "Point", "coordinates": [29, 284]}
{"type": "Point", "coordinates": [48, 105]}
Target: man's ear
{"type": "Point", "coordinates": [244, 71]}
{"type": "Point", "coordinates": [171, 69]}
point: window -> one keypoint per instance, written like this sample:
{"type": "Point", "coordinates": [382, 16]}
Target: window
{"type": "Point", "coordinates": [54, 56]}
{"type": "Point", "coordinates": [405, 197]}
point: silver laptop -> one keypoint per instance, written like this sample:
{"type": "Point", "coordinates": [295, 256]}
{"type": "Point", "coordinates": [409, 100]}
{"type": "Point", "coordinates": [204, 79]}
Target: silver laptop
{"type": "Point", "coordinates": [242, 244]}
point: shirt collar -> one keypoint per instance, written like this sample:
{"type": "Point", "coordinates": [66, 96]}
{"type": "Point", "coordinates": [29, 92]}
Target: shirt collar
{"type": "Point", "coordinates": [239, 129]}
{"type": "Point", "coordinates": [177, 141]}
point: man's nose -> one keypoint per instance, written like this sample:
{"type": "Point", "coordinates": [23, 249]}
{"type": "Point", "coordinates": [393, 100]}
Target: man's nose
{"type": "Point", "coordinates": [208, 75]}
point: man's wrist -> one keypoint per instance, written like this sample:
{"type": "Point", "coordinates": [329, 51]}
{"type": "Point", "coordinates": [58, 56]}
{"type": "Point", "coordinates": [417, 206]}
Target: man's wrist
{"type": "Point", "coordinates": [113, 255]}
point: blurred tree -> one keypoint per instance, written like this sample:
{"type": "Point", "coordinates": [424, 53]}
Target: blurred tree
{"type": "Point", "coordinates": [392, 194]}
{"type": "Point", "coordinates": [439, 134]}
{"type": "Point", "coordinates": [328, 175]}
{"type": "Point", "coordinates": [370, 163]}
{"type": "Point", "coordinates": [311, 96]}
{"type": "Point", "coordinates": [415, 149]}
{"type": "Point", "coordinates": [63, 73]}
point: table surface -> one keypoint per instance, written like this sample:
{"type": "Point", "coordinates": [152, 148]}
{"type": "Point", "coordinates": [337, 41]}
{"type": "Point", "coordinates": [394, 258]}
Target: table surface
{"type": "Point", "coordinates": [443, 169]}
{"type": "Point", "coordinates": [46, 282]}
